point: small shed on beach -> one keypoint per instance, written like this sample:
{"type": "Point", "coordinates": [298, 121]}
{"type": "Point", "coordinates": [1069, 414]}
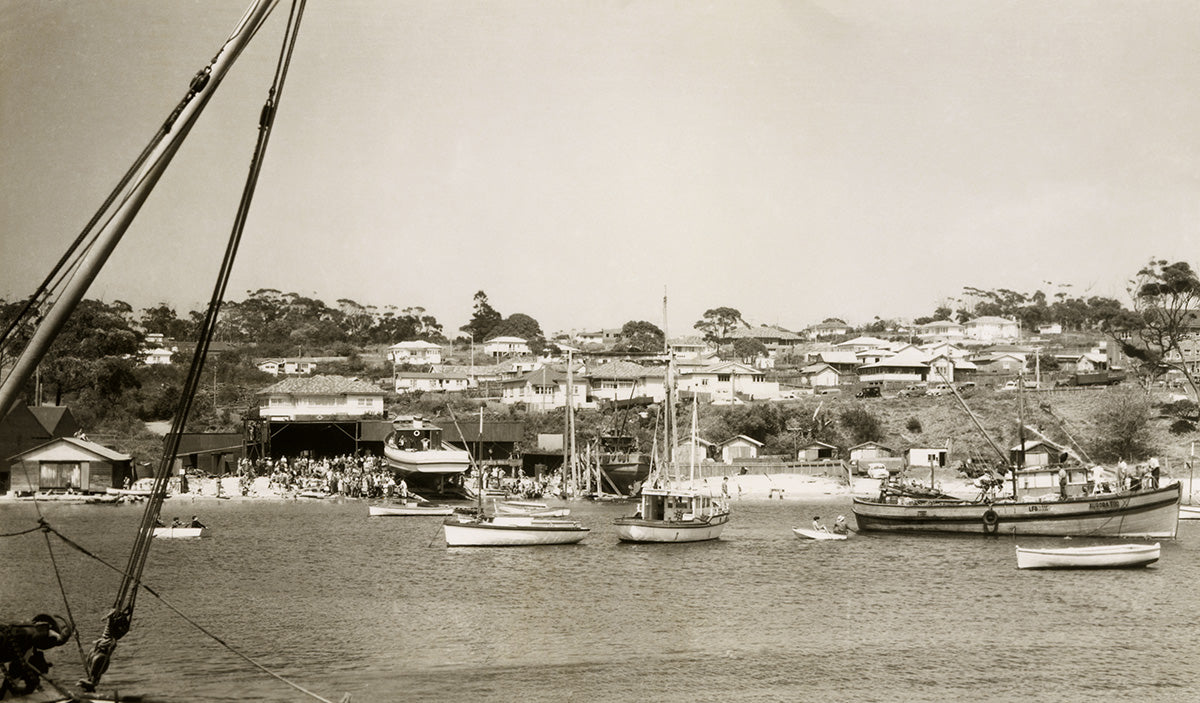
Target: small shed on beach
{"type": "Point", "coordinates": [739, 447]}
{"type": "Point", "coordinates": [870, 450]}
{"type": "Point", "coordinates": [817, 451]}
{"type": "Point", "coordinates": [927, 457]}
{"type": "Point", "coordinates": [1039, 453]}
{"type": "Point", "coordinates": [69, 464]}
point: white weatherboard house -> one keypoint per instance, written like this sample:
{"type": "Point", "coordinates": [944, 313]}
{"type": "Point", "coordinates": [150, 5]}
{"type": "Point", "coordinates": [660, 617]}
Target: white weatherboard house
{"type": "Point", "coordinates": [417, 352]}
{"type": "Point", "coordinates": [730, 381]}
{"type": "Point", "coordinates": [545, 389]}
{"type": "Point", "coordinates": [287, 367]}
{"type": "Point", "coordinates": [990, 329]}
{"type": "Point", "coordinates": [320, 397]}
{"type": "Point", "coordinates": [625, 380]}
{"type": "Point", "coordinates": [504, 346]}
{"type": "Point", "coordinates": [449, 381]}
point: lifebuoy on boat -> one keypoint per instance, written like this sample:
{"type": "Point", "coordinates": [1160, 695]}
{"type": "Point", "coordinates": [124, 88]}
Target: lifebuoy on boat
{"type": "Point", "coordinates": [991, 522]}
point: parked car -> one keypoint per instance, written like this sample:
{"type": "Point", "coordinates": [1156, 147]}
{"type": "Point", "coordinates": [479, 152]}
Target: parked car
{"type": "Point", "coordinates": [940, 389]}
{"type": "Point", "coordinates": [828, 390]}
{"type": "Point", "coordinates": [912, 391]}
{"type": "Point", "coordinates": [868, 392]}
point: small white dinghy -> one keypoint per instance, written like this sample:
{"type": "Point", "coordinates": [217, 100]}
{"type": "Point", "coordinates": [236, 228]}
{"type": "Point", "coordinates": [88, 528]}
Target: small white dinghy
{"type": "Point", "coordinates": [1111, 556]}
{"type": "Point", "coordinates": [1189, 512]}
{"type": "Point", "coordinates": [519, 507]}
{"type": "Point", "coordinates": [180, 532]}
{"type": "Point", "coordinates": [817, 534]}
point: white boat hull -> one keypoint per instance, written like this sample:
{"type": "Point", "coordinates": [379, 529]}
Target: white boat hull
{"type": "Point", "coordinates": [1150, 514]}
{"type": "Point", "coordinates": [411, 509]}
{"type": "Point", "coordinates": [512, 531]}
{"type": "Point", "coordinates": [180, 532]}
{"type": "Point", "coordinates": [666, 531]}
{"type": "Point", "coordinates": [816, 534]}
{"type": "Point", "coordinates": [531, 509]}
{"type": "Point", "coordinates": [1189, 512]}
{"type": "Point", "coordinates": [427, 461]}
{"type": "Point", "coordinates": [1118, 556]}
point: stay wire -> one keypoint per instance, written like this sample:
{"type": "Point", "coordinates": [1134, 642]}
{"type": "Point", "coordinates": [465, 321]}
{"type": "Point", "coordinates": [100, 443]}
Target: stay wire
{"type": "Point", "coordinates": [186, 618]}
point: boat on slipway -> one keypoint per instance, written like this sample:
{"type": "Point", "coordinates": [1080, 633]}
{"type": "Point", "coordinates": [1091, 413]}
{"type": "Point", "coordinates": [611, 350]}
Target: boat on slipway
{"type": "Point", "coordinates": [415, 451]}
{"type": "Point", "coordinates": [1110, 556]}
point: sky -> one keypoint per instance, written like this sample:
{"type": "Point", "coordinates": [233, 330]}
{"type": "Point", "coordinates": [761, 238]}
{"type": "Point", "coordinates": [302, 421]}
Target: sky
{"type": "Point", "coordinates": [575, 160]}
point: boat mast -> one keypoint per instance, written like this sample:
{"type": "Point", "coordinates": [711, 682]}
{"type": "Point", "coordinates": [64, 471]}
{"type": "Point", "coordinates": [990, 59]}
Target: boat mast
{"type": "Point", "coordinates": [134, 194]}
{"type": "Point", "coordinates": [695, 412]}
{"type": "Point", "coordinates": [670, 433]}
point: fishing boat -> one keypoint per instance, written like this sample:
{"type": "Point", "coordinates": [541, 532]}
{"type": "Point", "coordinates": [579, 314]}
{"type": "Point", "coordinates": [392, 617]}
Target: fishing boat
{"type": "Point", "coordinates": [1112, 556]}
{"type": "Point", "coordinates": [169, 532]}
{"type": "Point", "coordinates": [674, 512]}
{"type": "Point", "coordinates": [409, 508]}
{"type": "Point", "coordinates": [1029, 510]}
{"type": "Point", "coordinates": [23, 664]}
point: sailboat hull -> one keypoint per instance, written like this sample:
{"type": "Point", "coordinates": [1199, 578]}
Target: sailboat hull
{"type": "Point", "coordinates": [512, 531]}
{"type": "Point", "coordinates": [1153, 513]}
{"type": "Point", "coordinates": [664, 531]}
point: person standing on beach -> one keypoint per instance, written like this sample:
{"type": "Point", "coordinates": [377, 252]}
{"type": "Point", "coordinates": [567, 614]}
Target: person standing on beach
{"type": "Point", "coordinates": [725, 488]}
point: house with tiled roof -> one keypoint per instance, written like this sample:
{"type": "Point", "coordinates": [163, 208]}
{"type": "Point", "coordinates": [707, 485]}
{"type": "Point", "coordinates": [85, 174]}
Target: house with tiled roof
{"type": "Point", "coordinates": [861, 343]}
{"type": "Point", "coordinates": [545, 389]}
{"type": "Point", "coordinates": [320, 397]}
{"type": "Point", "coordinates": [908, 366]}
{"type": "Point", "coordinates": [729, 382]}
{"type": "Point", "coordinates": [431, 381]}
{"type": "Point", "coordinates": [991, 328]}
{"type": "Point", "coordinates": [417, 352]}
{"type": "Point", "coordinates": [769, 335]}
{"type": "Point", "coordinates": [625, 380]}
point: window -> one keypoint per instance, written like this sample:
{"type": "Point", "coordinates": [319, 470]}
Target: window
{"type": "Point", "coordinates": [544, 390]}
{"type": "Point", "coordinates": [722, 378]}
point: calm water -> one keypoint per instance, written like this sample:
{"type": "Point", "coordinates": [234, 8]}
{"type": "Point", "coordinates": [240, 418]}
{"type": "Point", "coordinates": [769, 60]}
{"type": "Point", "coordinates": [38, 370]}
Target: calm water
{"type": "Point", "coordinates": [380, 608]}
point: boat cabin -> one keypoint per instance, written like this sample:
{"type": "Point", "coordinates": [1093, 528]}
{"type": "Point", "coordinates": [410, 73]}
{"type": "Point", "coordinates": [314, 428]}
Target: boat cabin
{"type": "Point", "coordinates": [1041, 482]}
{"type": "Point", "coordinates": [414, 434]}
{"type": "Point", "coordinates": [671, 505]}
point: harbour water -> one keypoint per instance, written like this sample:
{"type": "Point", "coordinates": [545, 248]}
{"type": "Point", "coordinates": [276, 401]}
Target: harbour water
{"type": "Point", "coordinates": [381, 609]}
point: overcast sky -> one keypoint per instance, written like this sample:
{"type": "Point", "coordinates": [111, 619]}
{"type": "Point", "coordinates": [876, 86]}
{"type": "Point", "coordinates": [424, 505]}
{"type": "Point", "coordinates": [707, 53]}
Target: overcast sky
{"type": "Point", "coordinates": [793, 160]}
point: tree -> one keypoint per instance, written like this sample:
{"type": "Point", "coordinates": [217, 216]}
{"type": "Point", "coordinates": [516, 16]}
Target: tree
{"type": "Point", "coordinates": [717, 323]}
{"type": "Point", "coordinates": [484, 319]}
{"type": "Point", "coordinates": [521, 325]}
{"type": "Point", "coordinates": [640, 335]}
{"type": "Point", "coordinates": [861, 426]}
{"type": "Point", "coordinates": [1166, 299]}
{"type": "Point", "coordinates": [163, 320]}
{"type": "Point", "coordinates": [1123, 426]}
{"type": "Point", "coordinates": [748, 349]}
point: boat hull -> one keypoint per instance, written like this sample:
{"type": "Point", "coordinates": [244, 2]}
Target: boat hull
{"type": "Point", "coordinates": [512, 531]}
{"type": "Point", "coordinates": [180, 532]}
{"type": "Point", "coordinates": [816, 534]}
{"type": "Point", "coordinates": [1153, 513]}
{"type": "Point", "coordinates": [1189, 512]}
{"type": "Point", "coordinates": [401, 510]}
{"type": "Point", "coordinates": [1119, 556]}
{"type": "Point", "coordinates": [632, 529]}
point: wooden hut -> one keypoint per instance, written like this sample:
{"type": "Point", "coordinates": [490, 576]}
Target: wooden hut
{"type": "Point", "coordinates": [68, 464]}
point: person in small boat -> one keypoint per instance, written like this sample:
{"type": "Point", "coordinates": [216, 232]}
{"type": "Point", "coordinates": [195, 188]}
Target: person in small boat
{"type": "Point", "coordinates": [158, 522]}
{"type": "Point", "coordinates": [840, 527]}
{"type": "Point", "coordinates": [196, 523]}
{"type": "Point", "coordinates": [817, 526]}
{"type": "Point", "coordinates": [176, 522]}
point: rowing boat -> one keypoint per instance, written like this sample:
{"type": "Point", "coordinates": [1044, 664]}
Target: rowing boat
{"type": "Point", "coordinates": [1110, 556]}
{"type": "Point", "coordinates": [817, 534]}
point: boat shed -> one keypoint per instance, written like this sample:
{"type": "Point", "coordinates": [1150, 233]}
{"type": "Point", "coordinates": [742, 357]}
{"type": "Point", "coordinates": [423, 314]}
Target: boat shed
{"type": "Point", "coordinates": [927, 457]}
{"type": "Point", "coordinates": [817, 451]}
{"type": "Point", "coordinates": [1039, 453]}
{"type": "Point", "coordinates": [70, 464]}
{"type": "Point", "coordinates": [215, 453]}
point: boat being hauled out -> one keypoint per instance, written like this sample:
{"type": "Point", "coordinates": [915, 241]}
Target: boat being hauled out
{"type": "Point", "coordinates": [1151, 513]}
{"type": "Point", "coordinates": [1110, 556]}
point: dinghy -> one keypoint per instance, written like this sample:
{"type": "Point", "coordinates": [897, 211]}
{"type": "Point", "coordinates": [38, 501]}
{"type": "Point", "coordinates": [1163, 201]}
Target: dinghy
{"type": "Point", "coordinates": [817, 534]}
{"type": "Point", "coordinates": [1111, 556]}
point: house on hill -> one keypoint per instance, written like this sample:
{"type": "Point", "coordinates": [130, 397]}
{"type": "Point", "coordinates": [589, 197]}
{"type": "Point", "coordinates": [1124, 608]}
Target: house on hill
{"type": "Point", "coordinates": [319, 397]}
{"type": "Point", "coordinates": [505, 346]}
{"type": "Point", "coordinates": [991, 329]}
{"type": "Point", "coordinates": [417, 352]}
{"type": "Point", "coordinates": [729, 382]}
{"type": "Point", "coordinates": [545, 389]}
{"type": "Point", "coordinates": [826, 330]}
{"type": "Point", "coordinates": [625, 380]}
{"type": "Point", "coordinates": [297, 366]}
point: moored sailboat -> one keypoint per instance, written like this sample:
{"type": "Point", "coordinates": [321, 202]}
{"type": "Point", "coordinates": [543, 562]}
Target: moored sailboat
{"type": "Point", "coordinates": [674, 513]}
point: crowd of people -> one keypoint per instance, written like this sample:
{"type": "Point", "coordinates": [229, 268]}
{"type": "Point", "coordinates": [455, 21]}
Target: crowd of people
{"type": "Point", "coordinates": [353, 476]}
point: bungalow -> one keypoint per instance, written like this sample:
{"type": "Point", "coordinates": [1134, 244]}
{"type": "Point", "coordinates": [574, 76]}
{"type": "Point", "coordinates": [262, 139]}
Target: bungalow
{"type": "Point", "coordinates": [827, 329]}
{"type": "Point", "coordinates": [730, 381]}
{"type": "Point", "coordinates": [909, 366]}
{"type": "Point", "coordinates": [843, 361]}
{"type": "Point", "coordinates": [946, 369]}
{"type": "Point", "coordinates": [416, 352]}
{"type": "Point", "coordinates": [319, 397]}
{"type": "Point", "coordinates": [505, 346]}
{"type": "Point", "coordinates": [999, 364]}
{"type": "Point", "coordinates": [449, 381]}
{"type": "Point", "coordinates": [67, 463]}
{"type": "Point", "coordinates": [691, 347]}
{"type": "Point", "coordinates": [989, 328]}
{"type": "Point", "coordinates": [625, 380]}
{"type": "Point", "coordinates": [940, 329]}
{"type": "Point", "coordinates": [298, 366]}
{"type": "Point", "coordinates": [820, 376]}
{"type": "Point", "coordinates": [545, 389]}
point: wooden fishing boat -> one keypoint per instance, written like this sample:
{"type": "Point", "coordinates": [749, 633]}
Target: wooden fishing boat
{"type": "Point", "coordinates": [674, 515]}
{"type": "Point", "coordinates": [817, 534]}
{"type": "Point", "coordinates": [1152, 513]}
{"type": "Point", "coordinates": [1112, 556]}
{"type": "Point", "coordinates": [415, 451]}
{"type": "Point", "coordinates": [511, 531]}
{"type": "Point", "coordinates": [180, 532]}
{"type": "Point", "coordinates": [409, 509]}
